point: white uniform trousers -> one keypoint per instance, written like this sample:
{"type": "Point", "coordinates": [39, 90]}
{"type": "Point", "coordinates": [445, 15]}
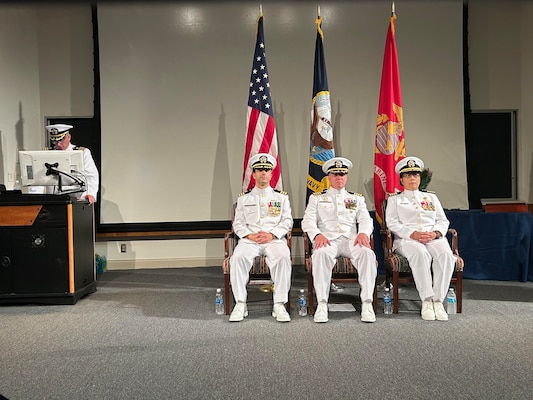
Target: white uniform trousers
{"type": "Point", "coordinates": [363, 259]}
{"type": "Point", "coordinates": [278, 259]}
{"type": "Point", "coordinates": [420, 257]}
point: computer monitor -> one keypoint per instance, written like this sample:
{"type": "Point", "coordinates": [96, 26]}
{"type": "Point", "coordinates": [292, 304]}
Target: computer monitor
{"type": "Point", "coordinates": [61, 168]}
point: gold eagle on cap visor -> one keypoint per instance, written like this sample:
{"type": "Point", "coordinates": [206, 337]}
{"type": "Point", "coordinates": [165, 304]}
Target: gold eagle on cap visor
{"type": "Point", "coordinates": [263, 159]}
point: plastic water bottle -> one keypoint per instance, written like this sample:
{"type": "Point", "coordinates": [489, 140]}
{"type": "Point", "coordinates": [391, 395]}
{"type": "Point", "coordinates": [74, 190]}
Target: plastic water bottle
{"type": "Point", "coordinates": [302, 304]}
{"type": "Point", "coordinates": [387, 302]}
{"type": "Point", "coordinates": [451, 302]}
{"type": "Point", "coordinates": [219, 302]}
{"type": "Point", "coordinates": [16, 185]}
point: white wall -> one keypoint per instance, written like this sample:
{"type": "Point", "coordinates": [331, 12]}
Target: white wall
{"type": "Point", "coordinates": [47, 70]}
{"type": "Point", "coordinates": [65, 61]}
{"type": "Point", "coordinates": [19, 93]}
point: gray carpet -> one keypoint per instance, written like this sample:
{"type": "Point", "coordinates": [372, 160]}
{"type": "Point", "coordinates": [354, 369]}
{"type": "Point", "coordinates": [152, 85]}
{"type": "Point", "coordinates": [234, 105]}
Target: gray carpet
{"type": "Point", "coordinates": [153, 334]}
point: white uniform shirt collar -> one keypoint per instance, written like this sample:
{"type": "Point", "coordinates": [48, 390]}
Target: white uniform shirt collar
{"type": "Point", "coordinates": [335, 192]}
{"type": "Point", "coordinates": [259, 191]}
{"type": "Point", "coordinates": [411, 192]}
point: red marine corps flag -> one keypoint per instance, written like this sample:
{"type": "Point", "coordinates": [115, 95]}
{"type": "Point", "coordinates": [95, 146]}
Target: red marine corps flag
{"type": "Point", "coordinates": [390, 145]}
{"type": "Point", "coordinates": [261, 130]}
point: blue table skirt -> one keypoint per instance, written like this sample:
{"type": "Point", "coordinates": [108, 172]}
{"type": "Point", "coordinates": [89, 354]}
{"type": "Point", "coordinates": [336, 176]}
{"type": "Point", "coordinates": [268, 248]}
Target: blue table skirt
{"type": "Point", "coordinates": [495, 246]}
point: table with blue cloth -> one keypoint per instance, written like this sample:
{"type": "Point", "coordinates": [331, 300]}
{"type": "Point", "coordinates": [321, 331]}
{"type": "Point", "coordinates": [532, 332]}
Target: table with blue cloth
{"type": "Point", "coordinates": [493, 245]}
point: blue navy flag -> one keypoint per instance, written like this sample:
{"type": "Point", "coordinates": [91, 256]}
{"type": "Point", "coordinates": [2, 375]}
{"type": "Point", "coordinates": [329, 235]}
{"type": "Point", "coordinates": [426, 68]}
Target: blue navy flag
{"type": "Point", "coordinates": [321, 146]}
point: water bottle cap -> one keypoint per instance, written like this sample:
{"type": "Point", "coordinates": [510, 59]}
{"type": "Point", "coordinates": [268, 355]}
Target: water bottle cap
{"type": "Point", "coordinates": [218, 290]}
{"type": "Point", "coordinates": [386, 289]}
{"type": "Point", "coordinates": [301, 290]}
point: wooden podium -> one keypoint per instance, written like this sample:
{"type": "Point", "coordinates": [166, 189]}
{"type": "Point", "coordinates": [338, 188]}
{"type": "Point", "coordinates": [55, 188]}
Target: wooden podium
{"type": "Point", "coordinates": [503, 205]}
{"type": "Point", "coordinates": [46, 249]}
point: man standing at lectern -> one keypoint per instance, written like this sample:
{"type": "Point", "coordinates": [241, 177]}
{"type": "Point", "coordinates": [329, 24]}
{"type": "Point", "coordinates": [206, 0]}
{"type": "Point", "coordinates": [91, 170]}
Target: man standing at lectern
{"type": "Point", "coordinates": [60, 140]}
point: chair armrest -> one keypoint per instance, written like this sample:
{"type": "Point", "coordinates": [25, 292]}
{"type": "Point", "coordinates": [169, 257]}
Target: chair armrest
{"type": "Point", "coordinates": [229, 243]}
{"type": "Point", "coordinates": [307, 246]}
{"type": "Point", "coordinates": [453, 237]}
{"type": "Point", "coordinates": [386, 237]}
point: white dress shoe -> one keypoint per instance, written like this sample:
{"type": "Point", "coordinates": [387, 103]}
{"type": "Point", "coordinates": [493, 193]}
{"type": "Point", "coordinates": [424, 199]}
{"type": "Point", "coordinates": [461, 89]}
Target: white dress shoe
{"type": "Point", "coordinates": [367, 313]}
{"type": "Point", "coordinates": [440, 313]}
{"type": "Point", "coordinates": [280, 313]}
{"type": "Point", "coordinates": [428, 314]}
{"type": "Point", "coordinates": [239, 312]}
{"type": "Point", "coordinates": [321, 313]}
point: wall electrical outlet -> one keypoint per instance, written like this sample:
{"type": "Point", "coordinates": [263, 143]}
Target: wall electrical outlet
{"type": "Point", "coordinates": [123, 247]}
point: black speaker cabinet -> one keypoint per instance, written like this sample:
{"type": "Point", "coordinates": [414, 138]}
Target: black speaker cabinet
{"type": "Point", "coordinates": [46, 249]}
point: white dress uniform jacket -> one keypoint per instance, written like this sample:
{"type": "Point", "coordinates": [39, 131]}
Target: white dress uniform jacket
{"type": "Point", "coordinates": [340, 216]}
{"type": "Point", "coordinates": [265, 210]}
{"type": "Point", "coordinates": [431, 263]}
{"type": "Point", "coordinates": [335, 213]}
{"type": "Point", "coordinates": [412, 211]}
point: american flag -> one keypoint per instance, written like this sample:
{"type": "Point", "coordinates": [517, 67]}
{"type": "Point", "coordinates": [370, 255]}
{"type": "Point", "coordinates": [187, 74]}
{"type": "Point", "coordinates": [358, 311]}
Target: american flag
{"type": "Point", "coordinates": [261, 130]}
{"type": "Point", "coordinates": [390, 139]}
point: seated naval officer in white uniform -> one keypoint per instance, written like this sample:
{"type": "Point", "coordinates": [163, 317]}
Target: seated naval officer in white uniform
{"type": "Point", "coordinates": [60, 140]}
{"type": "Point", "coordinates": [262, 220]}
{"type": "Point", "coordinates": [338, 224]}
{"type": "Point", "coordinates": [419, 225]}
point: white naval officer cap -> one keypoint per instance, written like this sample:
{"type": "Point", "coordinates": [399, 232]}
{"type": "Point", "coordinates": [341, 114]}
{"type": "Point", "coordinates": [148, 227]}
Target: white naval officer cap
{"type": "Point", "coordinates": [58, 131]}
{"type": "Point", "coordinates": [262, 160]}
{"type": "Point", "coordinates": [409, 164]}
{"type": "Point", "coordinates": [336, 165]}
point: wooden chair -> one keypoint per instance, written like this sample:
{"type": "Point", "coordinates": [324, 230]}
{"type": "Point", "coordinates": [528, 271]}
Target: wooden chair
{"type": "Point", "coordinates": [259, 273]}
{"type": "Point", "coordinates": [397, 267]}
{"type": "Point", "coordinates": [343, 272]}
